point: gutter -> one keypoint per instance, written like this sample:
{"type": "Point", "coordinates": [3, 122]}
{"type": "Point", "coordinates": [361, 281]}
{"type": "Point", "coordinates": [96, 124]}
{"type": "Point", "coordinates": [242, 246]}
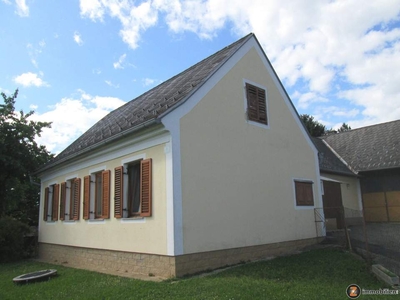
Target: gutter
{"type": "Point", "coordinates": [99, 144]}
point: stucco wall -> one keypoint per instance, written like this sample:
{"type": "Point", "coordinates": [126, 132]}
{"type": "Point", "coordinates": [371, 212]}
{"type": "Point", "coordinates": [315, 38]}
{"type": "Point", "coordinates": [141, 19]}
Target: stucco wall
{"type": "Point", "coordinates": [145, 235]}
{"type": "Point", "coordinates": [237, 178]}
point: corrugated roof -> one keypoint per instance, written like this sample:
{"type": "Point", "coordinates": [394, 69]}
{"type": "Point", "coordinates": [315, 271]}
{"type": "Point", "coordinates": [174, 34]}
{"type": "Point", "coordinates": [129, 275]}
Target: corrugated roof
{"type": "Point", "coordinates": [369, 148]}
{"type": "Point", "coordinates": [150, 105]}
{"type": "Point", "coordinates": [328, 161]}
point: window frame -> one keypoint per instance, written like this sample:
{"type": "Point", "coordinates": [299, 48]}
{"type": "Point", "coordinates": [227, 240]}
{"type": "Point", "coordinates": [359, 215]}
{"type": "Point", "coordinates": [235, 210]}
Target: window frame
{"type": "Point", "coordinates": [249, 120]}
{"type": "Point", "coordinates": [121, 191]}
{"type": "Point", "coordinates": [305, 205]}
{"type": "Point", "coordinates": [51, 203]}
{"type": "Point", "coordinates": [90, 194]}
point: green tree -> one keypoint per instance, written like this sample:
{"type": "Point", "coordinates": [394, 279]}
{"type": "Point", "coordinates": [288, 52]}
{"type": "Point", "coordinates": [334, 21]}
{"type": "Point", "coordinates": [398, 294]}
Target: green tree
{"type": "Point", "coordinates": [20, 156]}
{"type": "Point", "coordinates": [344, 127]}
{"type": "Point", "coordinates": [314, 127]}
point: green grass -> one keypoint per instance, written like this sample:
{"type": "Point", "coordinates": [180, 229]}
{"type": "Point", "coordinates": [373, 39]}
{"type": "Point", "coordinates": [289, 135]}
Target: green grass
{"type": "Point", "coordinates": [318, 274]}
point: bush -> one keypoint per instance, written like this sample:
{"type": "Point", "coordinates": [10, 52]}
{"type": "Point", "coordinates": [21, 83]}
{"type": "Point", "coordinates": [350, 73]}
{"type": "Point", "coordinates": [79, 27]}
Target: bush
{"type": "Point", "coordinates": [12, 234]}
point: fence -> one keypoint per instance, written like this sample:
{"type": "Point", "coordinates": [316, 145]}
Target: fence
{"type": "Point", "coordinates": [379, 242]}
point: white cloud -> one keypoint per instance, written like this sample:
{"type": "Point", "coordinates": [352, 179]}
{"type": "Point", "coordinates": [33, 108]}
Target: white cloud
{"type": "Point", "coordinates": [134, 19]}
{"type": "Point", "coordinates": [71, 117]}
{"type": "Point", "coordinates": [109, 83]}
{"type": "Point", "coordinates": [77, 38]}
{"type": "Point", "coordinates": [316, 44]}
{"type": "Point", "coordinates": [150, 81]}
{"type": "Point", "coordinates": [22, 8]}
{"type": "Point", "coordinates": [30, 79]}
{"type": "Point", "coordinates": [120, 62]}
{"type": "Point", "coordinates": [305, 99]}
{"type": "Point", "coordinates": [8, 2]}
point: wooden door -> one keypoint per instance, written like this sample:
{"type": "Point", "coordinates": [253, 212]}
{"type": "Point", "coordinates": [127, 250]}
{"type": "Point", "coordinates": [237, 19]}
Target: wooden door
{"type": "Point", "coordinates": [333, 205]}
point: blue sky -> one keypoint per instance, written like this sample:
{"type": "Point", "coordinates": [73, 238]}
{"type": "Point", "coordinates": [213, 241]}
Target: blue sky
{"type": "Point", "coordinates": [74, 61]}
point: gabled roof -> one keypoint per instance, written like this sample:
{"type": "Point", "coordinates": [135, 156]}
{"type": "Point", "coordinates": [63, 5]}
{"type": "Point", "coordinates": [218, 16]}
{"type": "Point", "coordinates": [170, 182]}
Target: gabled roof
{"type": "Point", "coordinates": [150, 106]}
{"type": "Point", "coordinates": [328, 161]}
{"type": "Point", "coordinates": [369, 148]}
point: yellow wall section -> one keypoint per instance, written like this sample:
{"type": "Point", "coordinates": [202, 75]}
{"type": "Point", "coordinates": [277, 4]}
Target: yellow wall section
{"type": "Point", "coordinates": [237, 178]}
{"type": "Point", "coordinates": [148, 237]}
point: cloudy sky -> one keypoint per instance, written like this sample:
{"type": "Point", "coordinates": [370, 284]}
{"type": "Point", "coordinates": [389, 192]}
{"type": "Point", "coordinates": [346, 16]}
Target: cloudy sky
{"type": "Point", "coordinates": [74, 61]}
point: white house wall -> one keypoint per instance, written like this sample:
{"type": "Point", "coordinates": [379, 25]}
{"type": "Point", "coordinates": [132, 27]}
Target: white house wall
{"type": "Point", "coordinates": [144, 235]}
{"type": "Point", "coordinates": [237, 178]}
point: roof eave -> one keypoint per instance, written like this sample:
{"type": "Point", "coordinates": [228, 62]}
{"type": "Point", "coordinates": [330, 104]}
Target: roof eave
{"type": "Point", "coordinates": [111, 139]}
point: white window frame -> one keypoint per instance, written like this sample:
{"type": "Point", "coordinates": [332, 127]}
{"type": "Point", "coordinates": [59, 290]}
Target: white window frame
{"type": "Point", "coordinates": [125, 162]}
{"type": "Point", "coordinates": [305, 180]}
{"type": "Point", "coordinates": [265, 126]}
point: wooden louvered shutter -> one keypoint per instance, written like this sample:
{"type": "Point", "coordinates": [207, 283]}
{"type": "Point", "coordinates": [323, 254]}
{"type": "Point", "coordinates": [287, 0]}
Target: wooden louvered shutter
{"type": "Point", "coordinates": [304, 193]}
{"type": "Point", "coordinates": [86, 197]}
{"type": "Point", "coordinates": [145, 188]}
{"type": "Point", "coordinates": [118, 191]}
{"type": "Point", "coordinates": [256, 104]}
{"type": "Point", "coordinates": [252, 103]}
{"type": "Point", "coordinates": [106, 193]}
{"type": "Point", "coordinates": [62, 200]}
{"type": "Point", "coordinates": [46, 204]}
{"type": "Point", "coordinates": [76, 198]}
{"type": "Point", "coordinates": [262, 106]}
{"type": "Point", "coordinates": [56, 195]}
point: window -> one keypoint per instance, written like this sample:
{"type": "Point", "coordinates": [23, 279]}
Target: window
{"type": "Point", "coordinates": [51, 197]}
{"type": "Point", "coordinates": [96, 195]}
{"type": "Point", "coordinates": [256, 104]}
{"type": "Point", "coordinates": [70, 199]}
{"type": "Point", "coordinates": [133, 187]}
{"type": "Point", "coordinates": [304, 193]}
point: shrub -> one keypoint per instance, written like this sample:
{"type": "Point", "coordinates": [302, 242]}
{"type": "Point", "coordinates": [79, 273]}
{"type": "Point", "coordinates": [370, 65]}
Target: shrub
{"type": "Point", "coordinates": [12, 234]}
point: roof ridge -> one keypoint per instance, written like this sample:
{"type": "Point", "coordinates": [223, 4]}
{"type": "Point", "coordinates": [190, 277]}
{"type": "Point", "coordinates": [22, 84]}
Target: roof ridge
{"type": "Point", "coordinates": [359, 128]}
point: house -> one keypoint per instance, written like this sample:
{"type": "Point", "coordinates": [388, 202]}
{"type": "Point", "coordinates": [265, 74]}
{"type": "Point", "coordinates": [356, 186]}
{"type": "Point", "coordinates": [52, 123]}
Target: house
{"type": "Point", "coordinates": [209, 168]}
{"type": "Point", "coordinates": [340, 188]}
{"type": "Point", "coordinates": [373, 153]}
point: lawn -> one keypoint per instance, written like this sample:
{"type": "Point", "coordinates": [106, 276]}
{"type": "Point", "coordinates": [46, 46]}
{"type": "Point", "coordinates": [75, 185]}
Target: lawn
{"type": "Point", "coordinates": [317, 274]}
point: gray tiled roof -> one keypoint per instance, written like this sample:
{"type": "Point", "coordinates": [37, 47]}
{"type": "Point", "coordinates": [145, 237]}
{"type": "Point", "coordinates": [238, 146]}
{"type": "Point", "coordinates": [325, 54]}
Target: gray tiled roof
{"type": "Point", "coordinates": [150, 105]}
{"type": "Point", "coordinates": [369, 148]}
{"type": "Point", "coordinates": [328, 161]}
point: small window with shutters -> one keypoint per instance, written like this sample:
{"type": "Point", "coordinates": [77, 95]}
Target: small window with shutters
{"type": "Point", "coordinates": [51, 201]}
{"type": "Point", "coordinates": [256, 104]}
{"type": "Point", "coordinates": [96, 195]}
{"type": "Point", "coordinates": [304, 193]}
{"type": "Point", "coordinates": [133, 189]}
{"type": "Point", "coordinates": [70, 199]}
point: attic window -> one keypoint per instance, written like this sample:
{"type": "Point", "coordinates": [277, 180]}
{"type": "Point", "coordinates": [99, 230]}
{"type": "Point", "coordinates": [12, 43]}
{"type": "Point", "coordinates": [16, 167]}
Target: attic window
{"type": "Point", "coordinates": [256, 104]}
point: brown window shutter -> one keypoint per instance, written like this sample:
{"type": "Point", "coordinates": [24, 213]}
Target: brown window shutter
{"type": "Point", "coordinates": [118, 191]}
{"type": "Point", "coordinates": [262, 106]}
{"type": "Point", "coordinates": [106, 193]}
{"type": "Point", "coordinates": [56, 195]}
{"type": "Point", "coordinates": [76, 199]}
{"type": "Point", "coordinates": [252, 103]}
{"type": "Point", "coordinates": [46, 203]}
{"type": "Point", "coordinates": [86, 197]}
{"type": "Point", "coordinates": [62, 200]}
{"type": "Point", "coordinates": [145, 187]}
{"type": "Point", "coordinates": [256, 104]}
{"type": "Point", "coordinates": [304, 194]}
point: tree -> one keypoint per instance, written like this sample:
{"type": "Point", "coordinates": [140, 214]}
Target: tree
{"type": "Point", "coordinates": [344, 127]}
{"type": "Point", "coordinates": [20, 156]}
{"type": "Point", "coordinates": [314, 127]}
